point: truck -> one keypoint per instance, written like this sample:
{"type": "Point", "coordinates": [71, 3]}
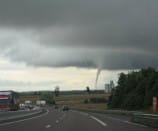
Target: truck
{"type": "Point", "coordinates": [9, 100]}
{"type": "Point", "coordinates": [41, 103]}
{"type": "Point", "coordinates": [28, 104]}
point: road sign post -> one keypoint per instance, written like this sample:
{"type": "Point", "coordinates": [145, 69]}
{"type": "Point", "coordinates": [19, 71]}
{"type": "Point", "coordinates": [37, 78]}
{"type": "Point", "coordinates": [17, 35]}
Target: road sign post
{"type": "Point", "coordinates": [155, 104]}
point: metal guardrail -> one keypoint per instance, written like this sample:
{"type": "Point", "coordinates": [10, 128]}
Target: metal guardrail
{"type": "Point", "coordinates": [146, 116]}
{"type": "Point", "coordinates": [6, 116]}
{"type": "Point", "coordinates": [146, 119]}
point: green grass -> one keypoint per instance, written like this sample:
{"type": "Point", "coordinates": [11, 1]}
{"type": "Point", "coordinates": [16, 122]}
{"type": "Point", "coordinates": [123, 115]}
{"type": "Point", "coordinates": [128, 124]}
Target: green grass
{"type": "Point", "coordinates": [32, 98]}
{"type": "Point", "coordinates": [77, 101]}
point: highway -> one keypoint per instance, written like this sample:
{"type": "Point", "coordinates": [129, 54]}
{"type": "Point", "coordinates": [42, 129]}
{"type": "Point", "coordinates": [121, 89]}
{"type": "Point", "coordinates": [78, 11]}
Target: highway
{"type": "Point", "coordinates": [57, 120]}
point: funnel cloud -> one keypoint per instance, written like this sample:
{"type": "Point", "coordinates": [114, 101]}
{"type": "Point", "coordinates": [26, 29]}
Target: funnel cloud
{"type": "Point", "coordinates": [97, 77]}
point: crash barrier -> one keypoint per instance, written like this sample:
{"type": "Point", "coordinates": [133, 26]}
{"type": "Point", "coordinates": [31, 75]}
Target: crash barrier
{"type": "Point", "coordinates": [10, 118]}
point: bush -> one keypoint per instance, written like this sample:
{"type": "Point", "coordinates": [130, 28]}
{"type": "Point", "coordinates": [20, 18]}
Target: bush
{"type": "Point", "coordinates": [86, 101]}
{"type": "Point", "coordinates": [48, 98]}
{"type": "Point", "coordinates": [98, 100]}
{"type": "Point", "coordinates": [95, 100]}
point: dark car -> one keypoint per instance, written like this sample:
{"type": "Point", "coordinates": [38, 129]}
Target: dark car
{"type": "Point", "coordinates": [56, 107]}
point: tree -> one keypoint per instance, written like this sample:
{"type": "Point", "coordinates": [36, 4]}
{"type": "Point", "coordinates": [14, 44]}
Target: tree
{"type": "Point", "coordinates": [135, 90]}
{"type": "Point", "coordinates": [57, 91]}
{"type": "Point", "coordinates": [48, 98]}
{"type": "Point", "coordinates": [88, 89]}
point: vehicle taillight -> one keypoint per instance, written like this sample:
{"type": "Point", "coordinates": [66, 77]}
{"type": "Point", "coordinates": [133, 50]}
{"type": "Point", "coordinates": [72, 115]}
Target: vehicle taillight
{"type": "Point", "coordinates": [5, 106]}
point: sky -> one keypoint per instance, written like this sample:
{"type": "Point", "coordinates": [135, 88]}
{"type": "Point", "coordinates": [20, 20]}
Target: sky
{"type": "Point", "coordinates": [63, 43]}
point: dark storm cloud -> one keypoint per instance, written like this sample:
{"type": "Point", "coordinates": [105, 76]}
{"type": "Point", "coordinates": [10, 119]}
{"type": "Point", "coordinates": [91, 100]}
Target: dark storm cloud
{"type": "Point", "coordinates": [111, 34]}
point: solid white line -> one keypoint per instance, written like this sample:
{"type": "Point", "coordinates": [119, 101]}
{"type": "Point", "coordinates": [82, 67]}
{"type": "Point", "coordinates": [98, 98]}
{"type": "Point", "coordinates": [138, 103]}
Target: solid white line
{"type": "Point", "coordinates": [8, 123]}
{"type": "Point", "coordinates": [99, 121]}
{"type": "Point", "coordinates": [136, 124]}
{"type": "Point", "coordinates": [116, 119]}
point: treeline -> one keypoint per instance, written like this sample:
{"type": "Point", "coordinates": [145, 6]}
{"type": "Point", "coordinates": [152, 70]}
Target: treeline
{"type": "Point", "coordinates": [49, 98]}
{"type": "Point", "coordinates": [135, 90]}
{"type": "Point", "coordinates": [75, 92]}
{"type": "Point", "coordinates": [96, 100]}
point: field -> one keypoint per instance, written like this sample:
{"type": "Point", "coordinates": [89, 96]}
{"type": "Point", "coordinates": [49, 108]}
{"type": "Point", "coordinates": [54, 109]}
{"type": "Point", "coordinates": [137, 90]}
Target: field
{"type": "Point", "coordinates": [73, 100]}
{"type": "Point", "coordinates": [32, 98]}
{"type": "Point", "coordinates": [77, 101]}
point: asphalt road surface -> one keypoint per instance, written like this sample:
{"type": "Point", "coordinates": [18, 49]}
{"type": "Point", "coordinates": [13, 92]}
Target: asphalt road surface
{"type": "Point", "coordinates": [58, 120]}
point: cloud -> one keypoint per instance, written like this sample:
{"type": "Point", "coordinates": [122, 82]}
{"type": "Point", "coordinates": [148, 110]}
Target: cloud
{"type": "Point", "coordinates": [7, 83]}
{"type": "Point", "coordinates": [111, 34]}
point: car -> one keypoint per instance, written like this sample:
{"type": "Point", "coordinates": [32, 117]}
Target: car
{"type": "Point", "coordinates": [65, 108]}
{"type": "Point", "coordinates": [56, 107]}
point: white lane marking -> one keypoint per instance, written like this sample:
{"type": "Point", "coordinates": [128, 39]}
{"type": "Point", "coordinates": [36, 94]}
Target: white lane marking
{"type": "Point", "coordinates": [99, 121]}
{"type": "Point", "coordinates": [13, 122]}
{"type": "Point", "coordinates": [128, 122]}
{"type": "Point", "coordinates": [117, 119]}
{"type": "Point", "coordinates": [80, 112]}
{"type": "Point", "coordinates": [48, 126]}
{"type": "Point", "coordinates": [73, 111]}
{"type": "Point", "coordinates": [62, 117]}
{"type": "Point", "coordinates": [57, 121]}
{"type": "Point", "coordinates": [83, 113]}
{"type": "Point", "coordinates": [136, 124]}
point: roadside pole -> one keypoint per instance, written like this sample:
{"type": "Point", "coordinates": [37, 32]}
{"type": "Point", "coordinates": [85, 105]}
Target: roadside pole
{"type": "Point", "coordinates": [155, 104]}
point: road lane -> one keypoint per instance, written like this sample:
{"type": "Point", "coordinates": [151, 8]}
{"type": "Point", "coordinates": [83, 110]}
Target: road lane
{"type": "Point", "coordinates": [75, 121]}
{"type": "Point", "coordinates": [67, 121]}
{"type": "Point", "coordinates": [33, 124]}
{"type": "Point", "coordinates": [121, 124]}
{"type": "Point", "coordinates": [58, 120]}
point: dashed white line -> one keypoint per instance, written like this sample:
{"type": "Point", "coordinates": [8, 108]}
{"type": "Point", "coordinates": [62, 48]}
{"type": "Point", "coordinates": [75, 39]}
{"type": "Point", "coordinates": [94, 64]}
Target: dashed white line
{"type": "Point", "coordinates": [62, 117]}
{"type": "Point", "coordinates": [73, 111]}
{"type": "Point", "coordinates": [99, 121]}
{"type": "Point", "coordinates": [83, 113]}
{"type": "Point", "coordinates": [80, 112]}
{"type": "Point", "coordinates": [48, 126]}
{"type": "Point", "coordinates": [57, 121]}
{"type": "Point", "coordinates": [13, 122]}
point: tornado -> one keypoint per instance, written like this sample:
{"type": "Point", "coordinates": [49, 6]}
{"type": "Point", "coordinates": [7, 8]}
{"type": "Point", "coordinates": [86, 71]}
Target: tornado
{"type": "Point", "coordinates": [97, 77]}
